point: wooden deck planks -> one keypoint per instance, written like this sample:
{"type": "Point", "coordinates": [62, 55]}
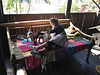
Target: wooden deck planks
{"type": "Point", "coordinates": [72, 65]}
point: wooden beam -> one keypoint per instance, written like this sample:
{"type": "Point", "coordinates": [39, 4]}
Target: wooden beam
{"type": "Point", "coordinates": [36, 26]}
{"type": "Point", "coordinates": [68, 8]}
{"type": "Point", "coordinates": [31, 23]}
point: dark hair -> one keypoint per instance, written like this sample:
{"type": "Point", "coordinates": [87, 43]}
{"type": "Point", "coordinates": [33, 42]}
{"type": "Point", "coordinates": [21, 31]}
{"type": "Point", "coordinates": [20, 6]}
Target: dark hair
{"type": "Point", "coordinates": [54, 20]}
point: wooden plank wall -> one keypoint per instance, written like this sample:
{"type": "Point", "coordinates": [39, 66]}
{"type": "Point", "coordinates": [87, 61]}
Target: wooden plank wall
{"type": "Point", "coordinates": [35, 26]}
{"type": "Point", "coordinates": [83, 20]}
{"type": "Point", "coordinates": [26, 17]}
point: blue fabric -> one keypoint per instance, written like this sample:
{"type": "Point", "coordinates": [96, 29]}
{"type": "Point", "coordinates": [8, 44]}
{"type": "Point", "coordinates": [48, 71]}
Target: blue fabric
{"type": "Point", "coordinates": [71, 49]}
{"type": "Point", "coordinates": [29, 40]}
{"type": "Point", "coordinates": [23, 41]}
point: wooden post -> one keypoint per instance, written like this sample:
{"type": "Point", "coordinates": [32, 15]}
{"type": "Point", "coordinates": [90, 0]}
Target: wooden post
{"type": "Point", "coordinates": [1, 12]}
{"type": "Point", "coordinates": [92, 41]}
{"type": "Point", "coordinates": [67, 13]}
{"type": "Point", "coordinates": [3, 35]}
{"type": "Point", "coordinates": [12, 54]}
{"type": "Point", "coordinates": [88, 54]}
{"type": "Point", "coordinates": [2, 65]}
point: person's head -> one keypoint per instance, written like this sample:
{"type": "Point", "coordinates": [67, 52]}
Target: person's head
{"type": "Point", "coordinates": [53, 22]}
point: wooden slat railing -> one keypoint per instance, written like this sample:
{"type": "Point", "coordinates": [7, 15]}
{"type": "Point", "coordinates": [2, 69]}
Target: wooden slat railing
{"type": "Point", "coordinates": [22, 27]}
{"type": "Point", "coordinates": [28, 17]}
{"type": "Point", "coordinates": [83, 20]}
{"type": "Point", "coordinates": [80, 20]}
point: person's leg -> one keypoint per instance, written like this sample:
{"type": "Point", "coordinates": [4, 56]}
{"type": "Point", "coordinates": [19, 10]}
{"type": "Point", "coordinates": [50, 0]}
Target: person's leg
{"type": "Point", "coordinates": [45, 47]}
{"type": "Point", "coordinates": [39, 47]}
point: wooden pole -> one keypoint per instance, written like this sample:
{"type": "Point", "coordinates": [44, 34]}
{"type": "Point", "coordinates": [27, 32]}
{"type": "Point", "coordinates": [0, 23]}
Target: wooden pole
{"type": "Point", "coordinates": [1, 12]}
{"type": "Point", "coordinates": [68, 8]}
{"type": "Point", "coordinates": [3, 34]}
{"type": "Point", "coordinates": [2, 65]}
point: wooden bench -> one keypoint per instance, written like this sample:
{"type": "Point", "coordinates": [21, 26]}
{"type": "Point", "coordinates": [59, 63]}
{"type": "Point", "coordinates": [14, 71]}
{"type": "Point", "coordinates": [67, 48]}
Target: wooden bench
{"type": "Point", "coordinates": [16, 55]}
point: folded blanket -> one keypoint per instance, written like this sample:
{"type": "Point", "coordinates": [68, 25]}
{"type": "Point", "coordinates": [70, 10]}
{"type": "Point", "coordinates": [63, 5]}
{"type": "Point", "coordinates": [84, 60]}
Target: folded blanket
{"type": "Point", "coordinates": [71, 49]}
{"type": "Point", "coordinates": [25, 48]}
{"type": "Point", "coordinates": [80, 45]}
{"type": "Point", "coordinates": [75, 45]}
{"type": "Point", "coordinates": [71, 41]}
{"type": "Point", "coordinates": [88, 44]}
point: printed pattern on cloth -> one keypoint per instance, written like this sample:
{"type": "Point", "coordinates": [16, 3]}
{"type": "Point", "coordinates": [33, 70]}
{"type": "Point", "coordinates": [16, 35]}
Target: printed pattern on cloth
{"type": "Point", "coordinates": [80, 45]}
{"type": "Point", "coordinates": [75, 45]}
{"type": "Point", "coordinates": [71, 49]}
{"type": "Point", "coordinates": [32, 62]}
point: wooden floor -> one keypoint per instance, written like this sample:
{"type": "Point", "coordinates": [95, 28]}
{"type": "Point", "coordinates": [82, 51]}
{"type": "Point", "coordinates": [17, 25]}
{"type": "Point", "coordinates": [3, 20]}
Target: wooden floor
{"type": "Point", "coordinates": [73, 65]}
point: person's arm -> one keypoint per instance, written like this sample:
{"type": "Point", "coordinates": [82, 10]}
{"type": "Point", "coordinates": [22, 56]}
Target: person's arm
{"type": "Point", "coordinates": [55, 29]}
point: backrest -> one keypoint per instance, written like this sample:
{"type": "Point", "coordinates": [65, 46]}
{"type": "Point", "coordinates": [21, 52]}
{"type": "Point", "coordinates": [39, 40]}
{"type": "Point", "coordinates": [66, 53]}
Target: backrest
{"type": "Point", "coordinates": [22, 27]}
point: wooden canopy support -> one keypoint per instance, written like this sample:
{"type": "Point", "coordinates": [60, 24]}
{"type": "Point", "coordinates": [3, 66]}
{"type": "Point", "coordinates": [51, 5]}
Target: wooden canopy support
{"type": "Point", "coordinates": [68, 8]}
{"type": "Point", "coordinates": [1, 12]}
{"type": "Point", "coordinates": [2, 65]}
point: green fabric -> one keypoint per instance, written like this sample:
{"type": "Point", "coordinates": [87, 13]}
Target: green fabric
{"type": "Point", "coordinates": [71, 36]}
{"type": "Point", "coordinates": [76, 35]}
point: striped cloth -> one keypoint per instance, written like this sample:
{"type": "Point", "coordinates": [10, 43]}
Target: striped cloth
{"type": "Point", "coordinates": [60, 39]}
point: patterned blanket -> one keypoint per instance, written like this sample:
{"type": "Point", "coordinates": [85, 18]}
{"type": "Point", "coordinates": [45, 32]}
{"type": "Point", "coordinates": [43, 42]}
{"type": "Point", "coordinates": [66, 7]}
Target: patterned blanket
{"type": "Point", "coordinates": [75, 45]}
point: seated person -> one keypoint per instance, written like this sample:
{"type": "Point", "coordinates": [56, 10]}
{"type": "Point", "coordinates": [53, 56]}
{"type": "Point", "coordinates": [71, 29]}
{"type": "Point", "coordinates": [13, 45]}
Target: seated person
{"type": "Point", "coordinates": [59, 39]}
{"type": "Point", "coordinates": [31, 36]}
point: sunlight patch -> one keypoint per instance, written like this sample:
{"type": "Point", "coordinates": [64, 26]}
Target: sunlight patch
{"type": "Point", "coordinates": [95, 52]}
{"type": "Point", "coordinates": [21, 72]}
